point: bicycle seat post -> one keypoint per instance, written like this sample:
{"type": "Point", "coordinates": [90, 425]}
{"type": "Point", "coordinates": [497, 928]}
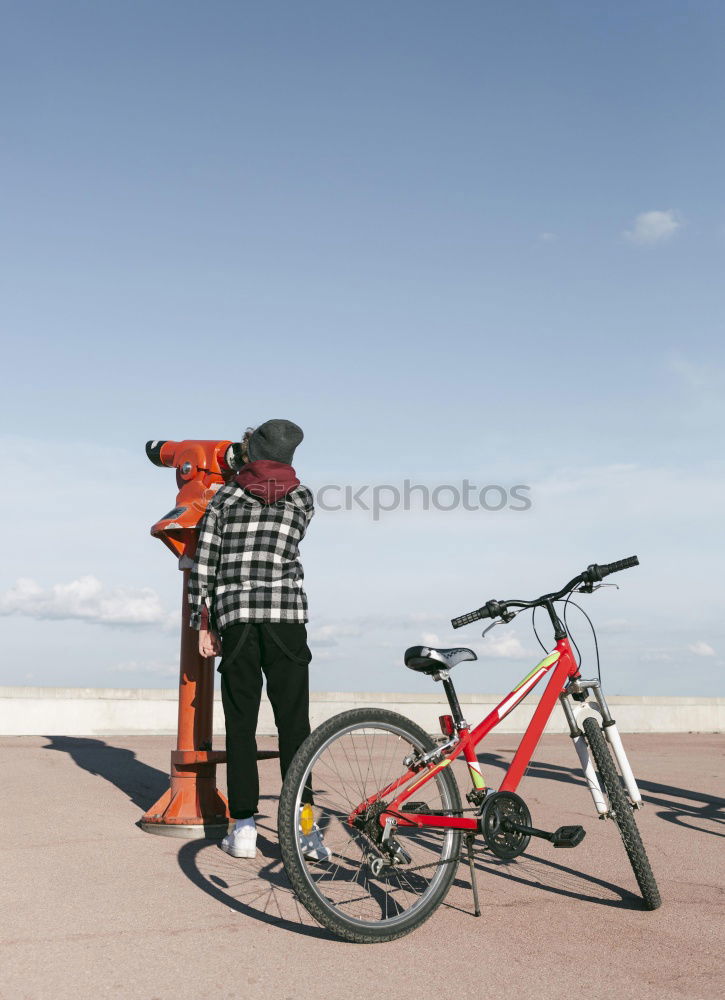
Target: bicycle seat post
{"type": "Point", "coordinates": [443, 675]}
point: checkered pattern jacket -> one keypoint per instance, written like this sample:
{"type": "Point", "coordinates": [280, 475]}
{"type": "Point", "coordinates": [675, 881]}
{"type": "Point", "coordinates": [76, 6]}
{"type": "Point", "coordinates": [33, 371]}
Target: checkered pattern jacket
{"type": "Point", "coordinates": [247, 566]}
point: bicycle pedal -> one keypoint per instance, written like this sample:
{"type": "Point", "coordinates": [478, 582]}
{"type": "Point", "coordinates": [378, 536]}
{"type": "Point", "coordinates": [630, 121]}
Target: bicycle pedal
{"type": "Point", "coordinates": [415, 807]}
{"type": "Point", "coordinates": [568, 836]}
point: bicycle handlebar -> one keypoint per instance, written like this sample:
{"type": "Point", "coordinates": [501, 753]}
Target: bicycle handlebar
{"type": "Point", "coordinates": [592, 574]}
{"type": "Point", "coordinates": [614, 567]}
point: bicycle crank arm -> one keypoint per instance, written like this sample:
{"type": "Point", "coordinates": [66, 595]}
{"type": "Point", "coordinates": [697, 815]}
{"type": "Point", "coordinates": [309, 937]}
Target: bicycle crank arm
{"type": "Point", "coordinates": [564, 836]}
{"type": "Point", "coordinates": [530, 831]}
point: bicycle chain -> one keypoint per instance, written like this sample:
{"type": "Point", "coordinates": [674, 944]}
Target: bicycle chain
{"type": "Point", "coordinates": [430, 864]}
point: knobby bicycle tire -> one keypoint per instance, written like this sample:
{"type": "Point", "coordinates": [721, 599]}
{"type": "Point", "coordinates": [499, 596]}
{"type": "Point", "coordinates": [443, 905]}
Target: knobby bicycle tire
{"type": "Point", "coordinates": [302, 876]}
{"type": "Point", "coordinates": [623, 813]}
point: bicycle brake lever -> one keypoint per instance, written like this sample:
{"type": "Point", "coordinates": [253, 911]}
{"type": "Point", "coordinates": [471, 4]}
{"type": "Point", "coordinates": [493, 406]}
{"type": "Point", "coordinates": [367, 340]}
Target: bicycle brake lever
{"type": "Point", "coordinates": [589, 588]}
{"type": "Point", "coordinates": [506, 617]}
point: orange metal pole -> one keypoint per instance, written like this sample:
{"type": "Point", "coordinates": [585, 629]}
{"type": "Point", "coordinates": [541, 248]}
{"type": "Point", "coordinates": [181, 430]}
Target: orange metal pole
{"type": "Point", "coordinates": [192, 806]}
{"type": "Point", "coordinates": [196, 689]}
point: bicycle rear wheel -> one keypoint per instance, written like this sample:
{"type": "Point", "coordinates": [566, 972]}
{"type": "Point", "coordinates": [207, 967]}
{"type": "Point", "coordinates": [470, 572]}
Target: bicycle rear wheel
{"type": "Point", "coordinates": [348, 760]}
{"type": "Point", "coordinates": [622, 813]}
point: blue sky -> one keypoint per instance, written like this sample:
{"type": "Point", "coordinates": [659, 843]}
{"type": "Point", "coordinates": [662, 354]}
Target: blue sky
{"type": "Point", "coordinates": [467, 240]}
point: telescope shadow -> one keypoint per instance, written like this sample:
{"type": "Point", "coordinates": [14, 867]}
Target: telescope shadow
{"type": "Point", "coordinates": [256, 888]}
{"type": "Point", "coordinates": [142, 783]}
{"type": "Point", "coordinates": [253, 887]}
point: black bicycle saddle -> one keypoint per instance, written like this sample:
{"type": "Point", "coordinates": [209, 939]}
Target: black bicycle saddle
{"type": "Point", "coordinates": [429, 659]}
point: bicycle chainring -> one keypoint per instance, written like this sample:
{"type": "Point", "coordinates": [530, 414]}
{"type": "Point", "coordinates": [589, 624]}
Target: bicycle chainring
{"type": "Point", "coordinates": [499, 808]}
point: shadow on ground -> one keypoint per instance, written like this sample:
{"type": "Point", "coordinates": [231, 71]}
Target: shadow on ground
{"type": "Point", "coordinates": [142, 783]}
{"type": "Point", "coordinates": [256, 888]}
{"type": "Point", "coordinates": [702, 813]}
{"type": "Point", "coordinates": [549, 876]}
{"type": "Point", "coordinates": [260, 890]}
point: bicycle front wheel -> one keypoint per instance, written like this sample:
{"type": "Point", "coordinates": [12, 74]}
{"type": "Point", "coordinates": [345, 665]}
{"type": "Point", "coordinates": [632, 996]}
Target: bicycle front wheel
{"type": "Point", "coordinates": [356, 892]}
{"type": "Point", "coordinates": [622, 813]}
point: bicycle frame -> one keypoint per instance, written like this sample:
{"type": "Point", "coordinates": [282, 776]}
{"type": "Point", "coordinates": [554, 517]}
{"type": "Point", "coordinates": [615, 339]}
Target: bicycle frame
{"type": "Point", "coordinates": [563, 667]}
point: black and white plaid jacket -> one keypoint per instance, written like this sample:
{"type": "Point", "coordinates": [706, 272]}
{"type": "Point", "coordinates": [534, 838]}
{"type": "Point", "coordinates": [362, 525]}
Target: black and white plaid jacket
{"type": "Point", "coordinates": [247, 566]}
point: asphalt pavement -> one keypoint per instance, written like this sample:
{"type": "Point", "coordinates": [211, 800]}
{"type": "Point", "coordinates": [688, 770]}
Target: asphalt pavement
{"type": "Point", "coordinates": [94, 907]}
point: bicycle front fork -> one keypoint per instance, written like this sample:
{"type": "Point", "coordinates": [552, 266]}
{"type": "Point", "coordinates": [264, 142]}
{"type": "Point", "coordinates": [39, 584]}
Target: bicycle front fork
{"type": "Point", "coordinates": [580, 691]}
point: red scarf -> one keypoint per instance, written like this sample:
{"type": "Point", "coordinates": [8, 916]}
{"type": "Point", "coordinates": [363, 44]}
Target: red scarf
{"type": "Point", "coordinates": [270, 481]}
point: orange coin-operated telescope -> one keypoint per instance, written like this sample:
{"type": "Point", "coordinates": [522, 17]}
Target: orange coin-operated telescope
{"type": "Point", "coordinates": [192, 806]}
{"type": "Point", "coordinates": [201, 468]}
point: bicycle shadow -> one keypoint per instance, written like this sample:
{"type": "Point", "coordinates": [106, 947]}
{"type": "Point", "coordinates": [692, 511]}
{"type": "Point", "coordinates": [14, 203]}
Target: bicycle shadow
{"type": "Point", "coordinates": [256, 888]}
{"type": "Point", "coordinates": [260, 889]}
{"type": "Point", "coordinates": [550, 876]}
{"type": "Point", "coordinates": [679, 812]}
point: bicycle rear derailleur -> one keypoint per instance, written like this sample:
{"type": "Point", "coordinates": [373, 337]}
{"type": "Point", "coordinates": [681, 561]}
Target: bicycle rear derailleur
{"type": "Point", "coordinates": [386, 851]}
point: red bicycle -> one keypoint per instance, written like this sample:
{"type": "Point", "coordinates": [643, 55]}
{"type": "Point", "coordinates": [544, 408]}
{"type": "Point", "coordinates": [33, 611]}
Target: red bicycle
{"type": "Point", "coordinates": [389, 808]}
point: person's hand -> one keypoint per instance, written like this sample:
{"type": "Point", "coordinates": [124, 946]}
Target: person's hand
{"type": "Point", "coordinates": [209, 643]}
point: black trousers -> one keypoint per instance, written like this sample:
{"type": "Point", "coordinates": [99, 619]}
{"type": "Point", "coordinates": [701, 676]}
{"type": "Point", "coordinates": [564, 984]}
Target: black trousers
{"type": "Point", "coordinates": [278, 650]}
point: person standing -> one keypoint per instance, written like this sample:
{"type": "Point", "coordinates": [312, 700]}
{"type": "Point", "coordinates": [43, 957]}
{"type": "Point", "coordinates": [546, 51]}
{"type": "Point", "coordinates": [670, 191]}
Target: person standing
{"type": "Point", "coordinates": [248, 602]}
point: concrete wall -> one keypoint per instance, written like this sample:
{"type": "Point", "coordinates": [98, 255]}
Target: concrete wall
{"type": "Point", "coordinates": [37, 711]}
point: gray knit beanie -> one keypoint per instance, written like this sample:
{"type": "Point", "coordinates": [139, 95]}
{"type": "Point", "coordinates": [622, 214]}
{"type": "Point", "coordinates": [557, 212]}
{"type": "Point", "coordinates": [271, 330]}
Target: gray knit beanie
{"type": "Point", "coordinates": [275, 440]}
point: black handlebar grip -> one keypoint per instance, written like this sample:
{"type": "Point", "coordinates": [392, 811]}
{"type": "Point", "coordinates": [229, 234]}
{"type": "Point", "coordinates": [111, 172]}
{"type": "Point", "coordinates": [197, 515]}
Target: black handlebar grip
{"type": "Point", "coordinates": [617, 567]}
{"type": "Point", "coordinates": [489, 610]}
{"type": "Point", "coordinates": [472, 616]}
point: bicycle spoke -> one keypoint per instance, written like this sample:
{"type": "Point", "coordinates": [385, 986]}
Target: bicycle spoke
{"type": "Point", "coordinates": [368, 760]}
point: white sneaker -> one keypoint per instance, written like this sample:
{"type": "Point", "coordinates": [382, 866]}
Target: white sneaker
{"type": "Point", "coordinates": [241, 842]}
{"type": "Point", "coordinates": [313, 845]}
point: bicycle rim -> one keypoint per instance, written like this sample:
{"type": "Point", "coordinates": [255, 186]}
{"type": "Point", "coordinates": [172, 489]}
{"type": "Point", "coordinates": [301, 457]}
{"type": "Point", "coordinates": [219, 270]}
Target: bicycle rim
{"type": "Point", "coordinates": [346, 767]}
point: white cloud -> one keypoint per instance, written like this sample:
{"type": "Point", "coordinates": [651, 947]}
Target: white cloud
{"type": "Point", "coordinates": [701, 648]}
{"type": "Point", "coordinates": [157, 668]}
{"type": "Point", "coordinates": [694, 376]}
{"type": "Point", "coordinates": [86, 599]}
{"type": "Point", "coordinates": [702, 390]}
{"type": "Point", "coordinates": [506, 645]}
{"type": "Point", "coordinates": [656, 655]}
{"type": "Point", "coordinates": [653, 227]}
{"type": "Point", "coordinates": [613, 625]}
{"type": "Point", "coordinates": [328, 635]}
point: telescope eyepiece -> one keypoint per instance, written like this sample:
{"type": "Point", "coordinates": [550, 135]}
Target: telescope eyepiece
{"type": "Point", "coordinates": [153, 450]}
